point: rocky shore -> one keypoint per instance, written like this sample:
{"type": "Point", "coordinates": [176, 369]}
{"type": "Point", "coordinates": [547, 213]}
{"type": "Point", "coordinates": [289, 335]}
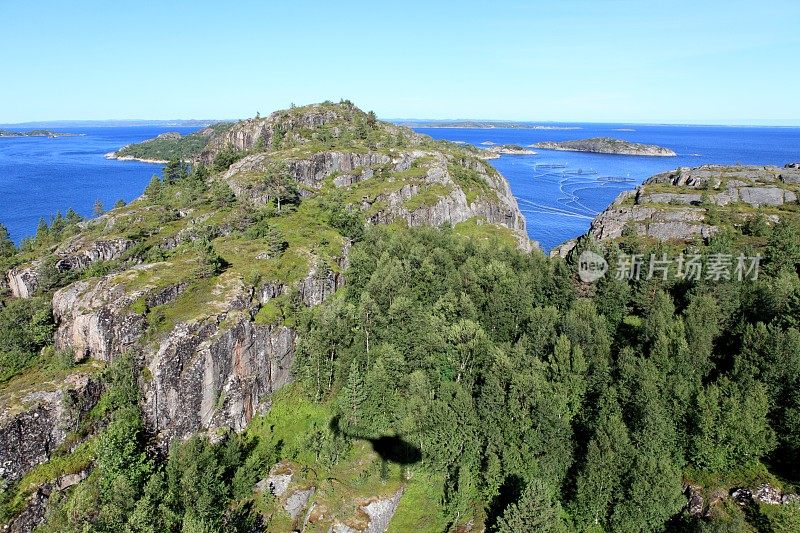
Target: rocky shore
{"type": "Point", "coordinates": [697, 203]}
{"type": "Point", "coordinates": [115, 155]}
{"type": "Point", "coordinates": [494, 152]}
{"type": "Point", "coordinates": [607, 145]}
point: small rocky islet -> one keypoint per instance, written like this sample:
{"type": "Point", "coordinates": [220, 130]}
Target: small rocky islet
{"type": "Point", "coordinates": [607, 145]}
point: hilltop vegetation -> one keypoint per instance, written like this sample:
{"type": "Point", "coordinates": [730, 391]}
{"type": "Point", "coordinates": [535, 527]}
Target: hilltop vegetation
{"type": "Point", "coordinates": [172, 146]}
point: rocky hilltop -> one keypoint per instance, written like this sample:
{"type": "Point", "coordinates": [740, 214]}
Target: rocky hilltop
{"type": "Point", "coordinates": [607, 145]}
{"type": "Point", "coordinates": [200, 278]}
{"type": "Point", "coordinates": [687, 204]}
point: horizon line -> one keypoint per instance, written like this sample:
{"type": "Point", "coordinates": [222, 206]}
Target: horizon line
{"type": "Point", "coordinates": [776, 123]}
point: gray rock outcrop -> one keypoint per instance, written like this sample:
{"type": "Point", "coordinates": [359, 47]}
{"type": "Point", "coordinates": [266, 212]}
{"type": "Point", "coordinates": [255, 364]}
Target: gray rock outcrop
{"type": "Point", "coordinates": [75, 254]}
{"type": "Point", "coordinates": [30, 432]}
{"type": "Point", "coordinates": [662, 224]}
{"type": "Point", "coordinates": [497, 206]}
{"type": "Point", "coordinates": [205, 376]}
{"type": "Point", "coordinates": [681, 214]}
{"type": "Point", "coordinates": [380, 512]}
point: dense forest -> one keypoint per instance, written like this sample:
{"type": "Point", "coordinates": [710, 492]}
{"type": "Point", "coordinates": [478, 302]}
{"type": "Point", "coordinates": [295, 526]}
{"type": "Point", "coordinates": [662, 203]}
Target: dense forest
{"type": "Point", "coordinates": [541, 406]}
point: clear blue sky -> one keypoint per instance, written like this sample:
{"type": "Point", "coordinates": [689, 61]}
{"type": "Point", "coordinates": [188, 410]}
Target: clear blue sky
{"type": "Point", "coordinates": [639, 61]}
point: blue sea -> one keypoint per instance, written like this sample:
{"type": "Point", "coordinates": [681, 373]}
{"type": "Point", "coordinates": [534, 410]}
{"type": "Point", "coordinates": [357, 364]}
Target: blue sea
{"type": "Point", "coordinates": [559, 203]}
{"type": "Point", "coordinates": [559, 192]}
{"type": "Point", "coordinates": [40, 176]}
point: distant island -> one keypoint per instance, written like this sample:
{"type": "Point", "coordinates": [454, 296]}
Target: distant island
{"type": "Point", "coordinates": [36, 133]}
{"type": "Point", "coordinates": [115, 123]}
{"type": "Point", "coordinates": [480, 124]}
{"type": "Point", "coordinates": [607, 145]}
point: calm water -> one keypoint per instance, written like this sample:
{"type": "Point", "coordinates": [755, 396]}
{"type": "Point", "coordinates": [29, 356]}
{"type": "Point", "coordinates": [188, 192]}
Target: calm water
{"type": "Point", "coordinates": [559, 203]}
{"type": "Point", "coordinates": [39, 176]}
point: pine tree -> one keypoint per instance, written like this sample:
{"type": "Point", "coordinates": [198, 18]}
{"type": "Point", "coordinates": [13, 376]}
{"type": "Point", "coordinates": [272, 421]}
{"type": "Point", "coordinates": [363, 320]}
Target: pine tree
{"type": "Point", "coordinates": [352, 397]}
{"type": "Point", "coordinates": [98, 208]}
{"type": "Point", "coordinates": [281, 184]}
{"type": "Point", "coordinates": [702, 328]}
{"type": "Point", "coordinates": [536, 510]}
{"type": "Point", "coordinates": [606, 459]}
{"type": "Point", "coordinates": [58, 224]}
{"type": "Point", "coordinates": [276, 242]}
{"type": "Point", "coordinates": [72, 217]}
{"type": "Point", "coordinates": [210, 261]}
{"type": "Point", "coordinates": [783, 249]}
{"type": "Point", "coordinates": [7, 248]}
{"type": "Point", "coordinates": [42, 230]}
{"type": "Point", "coordinates": [153, 189]}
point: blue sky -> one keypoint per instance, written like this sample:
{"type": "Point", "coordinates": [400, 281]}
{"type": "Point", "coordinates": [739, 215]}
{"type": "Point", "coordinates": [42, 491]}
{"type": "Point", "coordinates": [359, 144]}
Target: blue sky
{"type": "Point", "coordinates": [620, 61]}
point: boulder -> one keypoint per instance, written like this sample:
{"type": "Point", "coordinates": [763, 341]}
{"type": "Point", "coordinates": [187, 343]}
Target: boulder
{"type": "Point", "coordinates": [23, 281]}
{"type": "Point", "coordinates": [297, 501]}
{"type": "Point", "coordinates": [694, 503]}
{"type": "Point", "coordinates": [759, 196]}
{"type": "Point", "coordinates": [380, 512]}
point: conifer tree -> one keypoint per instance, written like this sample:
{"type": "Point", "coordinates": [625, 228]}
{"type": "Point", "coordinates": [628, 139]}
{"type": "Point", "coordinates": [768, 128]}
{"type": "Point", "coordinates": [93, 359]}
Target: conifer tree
{"type": "Point", "coordinates": [7, 248]}
{"type": "Point", "coordinates": [536, 510]}
{"type": "Point", "coordinates": [98, 208]}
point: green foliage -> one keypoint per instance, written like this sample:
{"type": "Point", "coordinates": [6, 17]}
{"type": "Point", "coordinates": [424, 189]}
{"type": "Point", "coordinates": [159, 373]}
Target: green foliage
{"type": "Point", "coordinates": [175, 170]}
{"type": "Point", "coordinates": [153, 189]}
{"type": "Point", "coordinates": [173, 146]}
{"type": "Point", "coordinates": [7, 248]}
{"type": "Point", "coordinates": [783, 249]}
{"type": "Point", "coordinates": [26, 326]}
{"type": "Point", "coordinates": [226, 157]}
{"type": "Point", "coordinates": [502, 392]}
{"type": "Point", "coordinates": [280, 184]}
{"type": "Point", "coordinates": [210, 263]}
{"type": "Point", "coordinates": [98, 208]}
{"type": "Point", "coordinates": [536, 510]}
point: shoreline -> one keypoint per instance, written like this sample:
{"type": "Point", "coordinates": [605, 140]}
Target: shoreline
{"type": "Point", "coordinates": [42, 136]}
{"type": "Point", "coordinates": [113, 155]}
{"type": "Point", "coordinates": [605, 153]}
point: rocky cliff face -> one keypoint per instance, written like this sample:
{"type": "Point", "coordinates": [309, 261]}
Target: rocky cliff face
{"type": "Point", "coordinates": [206, 375]}
{"type": "Point", "coordinates": [675, 205]}
{"type": "Point", "coordinates": [35, 421]}
{"type": "Point", "coordinates": [393, 196]}
{"type": "Point", "coordinates": [75, 254]}
{"type": "Point", "coordinates": [216, 370]}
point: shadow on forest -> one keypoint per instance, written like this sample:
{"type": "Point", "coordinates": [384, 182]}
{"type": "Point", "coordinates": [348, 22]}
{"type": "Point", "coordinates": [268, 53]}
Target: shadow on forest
{"type": "Point", "coordinates": [389, 448]}
{"type": "Point", "coordinates": [510, 491]}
